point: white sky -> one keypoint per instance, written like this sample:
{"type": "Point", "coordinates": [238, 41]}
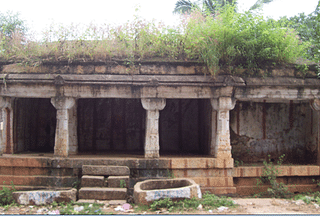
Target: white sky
{"type": "Point", "coordinates": [41, 13]}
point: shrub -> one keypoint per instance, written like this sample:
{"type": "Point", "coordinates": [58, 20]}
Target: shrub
{"type": "Point", "coordinates": [224, 40]}
{"type": "Point", "coordinates": [6, 195]}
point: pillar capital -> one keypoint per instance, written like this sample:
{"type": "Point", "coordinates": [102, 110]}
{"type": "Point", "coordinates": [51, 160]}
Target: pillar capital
{"type": "Point", "coordinates": [315, 104]}
{"type": "Point", "coordinates": [5, 102]}
{"type": "Point", "coordinates": [223, 103]}
{"type": "Point", "coordinates": [61, 103]}
{"type": "Point", "coordinates": [153, 103]}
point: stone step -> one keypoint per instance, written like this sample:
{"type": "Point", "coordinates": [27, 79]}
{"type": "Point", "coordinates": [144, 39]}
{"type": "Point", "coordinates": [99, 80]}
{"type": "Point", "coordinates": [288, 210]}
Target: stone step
{"type": "Point", "coordinates": [118, 181]}
{"type": "Point", "coordinates": [100, 170]}
{"type": "Point", "coordinates": [92, 181]}
{"type": "Point", "coordinates": [103, 193]}
{"type": "Point", "coordinates": [64, 181]}
{"type": "Point", "coordinates": [34, 171]}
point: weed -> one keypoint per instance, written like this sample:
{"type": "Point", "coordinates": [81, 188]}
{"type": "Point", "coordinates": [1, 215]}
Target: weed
{"type": "Point", "coordinates": [269, 176]}
{"type": "Point", "coordinates": [123, 184]}
{"type": "Point", "coordinates": [76, 184]}
{"type": "Point", "coordinates": [54, 204]}
{"type": "Point", "coordinates": [302, 68]}
{"type": "Point", "coordinates": [170, 174]}
{"type": "Point", "coordinates": [238, 163]}
{"type": "Point", "coordinates": [6, 195]}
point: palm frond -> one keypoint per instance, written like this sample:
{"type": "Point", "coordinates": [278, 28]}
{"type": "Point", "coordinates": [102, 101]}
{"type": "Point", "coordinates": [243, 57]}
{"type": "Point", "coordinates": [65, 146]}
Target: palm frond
{"type": "Point", "coordinates": [184, 6]}
{"type": "Point", "coordinates": [259, 4]}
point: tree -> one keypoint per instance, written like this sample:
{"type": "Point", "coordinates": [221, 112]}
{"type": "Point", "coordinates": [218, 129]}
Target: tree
{"type": "Point", "coordinates": [11, 23]}
{"type": "Point", "coordinates": [185, 6]}
{"type": "Point", "coordinates": [308, 29]}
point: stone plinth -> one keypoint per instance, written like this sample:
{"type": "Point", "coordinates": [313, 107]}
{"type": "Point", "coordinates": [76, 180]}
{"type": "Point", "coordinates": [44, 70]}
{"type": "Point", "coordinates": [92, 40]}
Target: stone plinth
{"type": "Point", "coordinates": [105, 170]}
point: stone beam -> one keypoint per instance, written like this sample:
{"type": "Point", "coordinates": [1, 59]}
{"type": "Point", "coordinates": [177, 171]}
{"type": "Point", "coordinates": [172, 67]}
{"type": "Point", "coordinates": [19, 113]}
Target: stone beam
{"type": "Point", "coordinates": [151, 148]}
{"type": "Point", "coordinates": [315, 105]}
{"type": "Point", "coordinates": [65, 142]}
{"type": "Point", "coordinates": [6, 144]}
{"type": "Point", "coordinates": [220, 142]}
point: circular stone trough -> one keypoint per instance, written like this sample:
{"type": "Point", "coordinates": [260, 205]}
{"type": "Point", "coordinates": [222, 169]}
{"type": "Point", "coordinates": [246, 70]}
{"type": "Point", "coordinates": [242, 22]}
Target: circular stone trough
{"type": "Point", "coordinates": [179, 188]}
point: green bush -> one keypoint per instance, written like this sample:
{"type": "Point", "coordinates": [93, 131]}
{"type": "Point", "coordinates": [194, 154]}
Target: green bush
{"type": "Point", "coordinates": [6, 195]}
{"type": "Point", "coordinates": [224, 40]}
{"type": "Point", "coordinates": [231, 38]}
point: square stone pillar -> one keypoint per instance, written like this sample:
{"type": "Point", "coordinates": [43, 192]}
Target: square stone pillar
{"type": "Point", "coordinates": [6, 144]}
{"type": "Point", "coordinates": [66, 129]}
{"type": "Point", "coordinates": [151, 148]}
{"type": "Point", "coordinates": [220, 141]}
{"type": "Point", "coordinates": [315, 105]}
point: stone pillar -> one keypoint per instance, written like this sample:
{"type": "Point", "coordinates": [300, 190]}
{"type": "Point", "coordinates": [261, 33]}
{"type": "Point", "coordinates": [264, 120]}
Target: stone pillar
{"type": "Point", "coordinates": [6, 144]}
{"type": "Point", "coordinates": [220, 143]}
{"type": "Point", "coordinates": [66, 131]}
{"type": "Point", "coordinates": [315, 105]}
{"type": "Point", "coordinates": [151, 148]}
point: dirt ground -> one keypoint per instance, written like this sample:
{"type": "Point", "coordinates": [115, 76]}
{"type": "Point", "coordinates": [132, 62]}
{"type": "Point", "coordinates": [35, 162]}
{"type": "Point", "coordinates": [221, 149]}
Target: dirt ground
{"type": "Point", "coordinates": [244, 206]}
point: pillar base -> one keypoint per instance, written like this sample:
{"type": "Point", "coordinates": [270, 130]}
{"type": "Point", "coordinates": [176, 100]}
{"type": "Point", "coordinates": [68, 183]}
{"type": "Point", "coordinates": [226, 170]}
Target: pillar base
{"type": "Point", "coordinates": [151, 154]}
{"type": "Point", "coordinates": [224, 163]}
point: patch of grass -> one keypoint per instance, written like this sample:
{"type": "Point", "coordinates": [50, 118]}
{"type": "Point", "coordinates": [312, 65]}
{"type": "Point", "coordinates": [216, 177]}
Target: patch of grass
{"type": "Point", "coordinates": [305, 198]}
{"type": "Point", "coordinates": [140, 208]}
{"type": "Point", "coordinates": [88, 209]}
{"type": "Point", "coordinates": [208, 201]}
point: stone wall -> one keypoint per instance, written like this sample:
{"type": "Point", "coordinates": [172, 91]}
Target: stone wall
{"type": "Point", "coordinates": [259, 129]}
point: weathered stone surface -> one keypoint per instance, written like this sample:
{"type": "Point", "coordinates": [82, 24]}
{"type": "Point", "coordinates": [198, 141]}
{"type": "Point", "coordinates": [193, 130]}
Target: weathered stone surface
{"type": "Point", "coordinates": [259, 129]}
{"type": "Point", "coordinates": [103, 193]}
{"type": "Point", "coordinates": [44, 197]}
{"type": "Point", "coordinates": [220, 190]}
{"type": "Point", "coordinates": [150, 190]}
{"type": "Point", "coordinates": [214, 181]}
{"type": "Point", "coordinates": [105, 170]}
{"type": "Point", "coordinates": [92, 181]}
{"type": "Point", "coordinates": [6, 143]}
{"type": "Point", "coordinates": [151, 148]}
{"type": "Point", "coordinates": [65, 128]}
{"type": "Point", "coordinates": [116, 181]}
{"type": "Point", "coordinates": [221, 142]}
